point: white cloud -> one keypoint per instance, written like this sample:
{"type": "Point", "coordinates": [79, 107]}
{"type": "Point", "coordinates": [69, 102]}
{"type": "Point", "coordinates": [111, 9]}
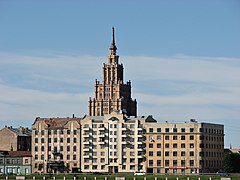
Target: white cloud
{"type": "Point", "coordinates": [170, 88]}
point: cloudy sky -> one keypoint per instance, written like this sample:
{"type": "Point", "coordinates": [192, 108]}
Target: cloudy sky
{"type": "Point", "coordinates": [183, 58]}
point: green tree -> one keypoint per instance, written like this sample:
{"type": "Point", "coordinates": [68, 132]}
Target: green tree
{"type": "Point", "coordinates": [231, 162]}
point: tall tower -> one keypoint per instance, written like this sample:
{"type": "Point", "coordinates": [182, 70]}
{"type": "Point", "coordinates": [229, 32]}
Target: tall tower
{"type": "Point", "coordinates": [112, 94]}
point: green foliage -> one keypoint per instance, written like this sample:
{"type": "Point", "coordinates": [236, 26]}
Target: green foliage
{"type": "Point", "coordinates": [231, 162]}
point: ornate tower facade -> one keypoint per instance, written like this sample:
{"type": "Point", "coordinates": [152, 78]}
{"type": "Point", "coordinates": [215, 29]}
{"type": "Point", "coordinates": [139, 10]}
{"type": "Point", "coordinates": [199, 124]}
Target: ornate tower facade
{"type": "Point", "coordinates": [112, 94]}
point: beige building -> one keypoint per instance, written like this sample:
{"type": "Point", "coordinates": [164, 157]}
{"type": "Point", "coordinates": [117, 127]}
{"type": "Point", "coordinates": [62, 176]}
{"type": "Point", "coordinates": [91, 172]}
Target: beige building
{"type": "Point", "coordinates": [113, 143]}
{"type": "Point", "coordinates": [114, 139]}
{"type": "Point", "coordinates": [15, 139]}
{"type": "Point", "coordinates": [56, 145]}
{"type": "Point", "coordinates": [112, 94]}
{"type": "Point", "coordinates": [190, 147]}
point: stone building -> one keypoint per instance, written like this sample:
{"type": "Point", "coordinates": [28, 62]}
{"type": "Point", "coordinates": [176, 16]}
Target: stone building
{"type": "Point", "coordinates": [15, 139]}
{"type": "Point", "coordinates": [189, 147]}
{"type": "Point", "coordinates": [56, 145]}
{"type": "Point", "coordinates": [112, 94]}
{"type": "Point", "coordinates": [112, 138]}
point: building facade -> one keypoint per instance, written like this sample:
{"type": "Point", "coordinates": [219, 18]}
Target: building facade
{"type": "Point", "coordinates": [15, 162]}
{"type": "Point", "coordinates": [113, 143]}
{"type": "Point", "coordinates": [190, 147]}
{"type": "Point", "coordinates": [56, 145]}
{"type": "Point", "coordinates": [112, 94]}
{"type": "Point", "coordinates": [15, 139]}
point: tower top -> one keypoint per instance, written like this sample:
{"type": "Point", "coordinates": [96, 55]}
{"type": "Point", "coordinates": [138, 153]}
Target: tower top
{"type": "Point", "coordinates": [113, 47]}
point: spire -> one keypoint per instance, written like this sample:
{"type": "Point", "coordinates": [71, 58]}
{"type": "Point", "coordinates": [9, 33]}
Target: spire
{"type": "Point", "coordinates": [113, 47]}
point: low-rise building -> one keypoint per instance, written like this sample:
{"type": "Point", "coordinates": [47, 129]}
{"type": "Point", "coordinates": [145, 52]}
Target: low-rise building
{"type": "Point", "coordinates": [56, 145]}
{"type": "Point", "coordinates": [15, 162]}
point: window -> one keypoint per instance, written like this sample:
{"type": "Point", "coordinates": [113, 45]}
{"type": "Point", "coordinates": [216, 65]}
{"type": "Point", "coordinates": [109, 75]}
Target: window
{"type": "Point", "coordinates": [150, 145]}
{"type": "Point", "coordinates": [183, 153]}
{"type": "Point", "coordinates": [182, 145]}
{"type": "Point", "coordinates": [182, 137]}
{"type": "Point", "coordinates": [191, 137]}
{"type": "Point", "coordinates": [167, 153]}
{"type": "Point", "coordinates": [150, 129]}
{"type": "Point", "coordinates": [174, 162]}
{"type": "Point", "coordinates": [174, 153]}
{"type": "Point", "coordinates": [132, 160]}
{"type": "Point", "coordinates": [42, 140]}
{"type": "Point", "coordinates": [191, 129]}
{"type": "Point", "coordinates": [68, 140]}
{"type": "Point", "coordinates": [150, 162]}
{"type": "Point", "coordinates": [158, 162]}
{"type": "Point", "coordinates": [191, 153]}
{"type": "Point", "coordinates": [36, 140]}
{"type": "Point", "coordinates": [191, 162]}
{"type": "Point", "coordinates": [74, 148]}
{"type": "Point", "coordinates": [182, 129]}
{"type": "Point", "coordinates": [42, 148]}
{"type": "Point", "coordinates": [68, 131]}
{"type": "Point", "coordinates": [166, 129]}
{"type": "Point", "coordinates": [36, 132]}
{"type": "Point", "coordinates": [75, 132]}
{"type": "Point", "coordinates": [158, 153]}
{"type": "Point", "coordinates": [55, 139]}
{"type": "Point", "coordinates": [166, 162]}
{"type": "Point", "coordinates": [167, 145]}
{"type": "Point", "coordinates": [159, 145]}
{"type": "Point", "coordinates": [131, 125]}
{"type": "Point", "coordinates": [175, 145]}
{"type": "Point", "coordinates": [150, 153]}
{"type": "Point", "coordinates": [191, 145]}
{"type": "Point", "coordinates": [74, 157]}
{"type": "Point", "coordinates": [42, 132]}
{"type": "Point", "coordinates": [159, 138]}
{"type": "Point", "coordinates": [182, 162]}
{"type": "Point", "coordinates": [68, 148]}
{"type": "Point", "coordinates": [36, 157]}
{"type": "Point", "coordinates": [201, 137]}
{"type": "Point", "coordinates": [61, 148]}
{"type": "Point", "coordinates": [55, 131]}
{"type": "Point", "coordinates": [158, 129]}
{"type": "Point", "coordinates": [167, 138]}
{"type": "Point", "coordinates": [36, 148]}
{"type": "Point", "coordinates": [174, 137]}
{"type": "Point", "coordinates": [174, 129]}
{"type": "Point", "coordinates": [61, 139]}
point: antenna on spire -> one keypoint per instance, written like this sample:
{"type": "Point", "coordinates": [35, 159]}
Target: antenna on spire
{"type": "Point", "coordinates": [113, 47]}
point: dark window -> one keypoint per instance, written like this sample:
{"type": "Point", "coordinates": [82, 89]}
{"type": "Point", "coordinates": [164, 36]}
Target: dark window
{"type": "Point", "coordinates": [150, 153]}
{"type": "Point", "coordinates": [174, 129]}
{"type": "Point", "coordinates": [74, 132]}
{"type": "Point", "coordinates": [74, 140]}
{"type": "Point", "coordinates": [150, 129]}
{"type": "Point", "coordinates": [191, 129]}
{"type": "Point", "coordinates": [68, 140]}
{"type": "Point", "coordinates": [36, 140]}
{"type": "Point", "coordinates": [191, 153]}
{"type": "Point", "coordinates": [151, 145]}
{"type": "Point", "coordinates": [191, 138]}
{"type": "Point", "coordinates": [183, 153]}
{"type": "Point", "coordinates": [183, 145]}
{"type": "Point", "coordinates": [158, 129]}
{"type": "Point", "coordinates": [159, 145]}
{"type": "Point", "coordinates": [68, 131]}
{"type": "Point", "coordinates": [166, 162]}
{"type": "Point", "coordinates": [167, 138]}
{"type": "Point", "coordinates": [182, 129]}
{"type": "Point", "coordinates": [42, 140]}
{"type": "Point", "coordinates": [166, 129]}
{"type": "Point", "coordinates": [182, 137]}
{"type": "Point", "coordinates": [42, 132]}
{"type": "Point", "coordinates": [158, 153]}
{"type": "Point", "coordinates": [174, 153]}
{"type": "Point", "coordinates": [174, 137]}
{"type": "Point", "coordinates": [167, 153]}
{"type": "Point", "coordinates": [167, 145]}
{"type": "Point", "coordinates": [150, 162]}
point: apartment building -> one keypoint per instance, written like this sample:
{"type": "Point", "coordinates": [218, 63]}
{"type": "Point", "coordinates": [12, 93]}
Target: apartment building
{"type": "Point", "coordinates": [15, 139]}
{"type": "Point", "coordinates": [189, 147]}
{"type": "Point", "coordinates": [113, 143]}
{"type": "Point", "coordinates": [56, 145]}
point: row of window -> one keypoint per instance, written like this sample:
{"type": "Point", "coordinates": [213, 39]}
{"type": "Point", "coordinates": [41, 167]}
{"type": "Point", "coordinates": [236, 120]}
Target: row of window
{"type": "Point", "coordinates": [74, 157]}
{"type": "Point", "coordinates": [55, 149]}
{"type": "Point", "coordinates": [102, 167]}
{"type": "Point", "coordinates": [12, 161]}
{"type": "Point", "coordinates": [183, 130]}
{"type": "Point", "coordinates": [55, 140]}
{"type": "Point", "coordinates": [55, 131]}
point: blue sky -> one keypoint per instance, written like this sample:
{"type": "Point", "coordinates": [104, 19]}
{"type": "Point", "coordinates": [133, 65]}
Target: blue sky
{"type": "Point", "coordinates": [183, 58]}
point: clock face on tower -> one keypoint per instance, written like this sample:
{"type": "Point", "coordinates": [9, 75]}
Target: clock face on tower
{"type": "Point", "coordinates": [112, 94]}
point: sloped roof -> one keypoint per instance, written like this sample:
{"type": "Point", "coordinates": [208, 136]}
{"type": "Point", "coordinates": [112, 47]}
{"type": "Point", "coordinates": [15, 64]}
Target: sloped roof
{"type": "Point", "coordinates": [57, 122]}
{"type": "Point", "coordinates": [19, 153]}
{"type": "Point", "coordinates": [19, 131]}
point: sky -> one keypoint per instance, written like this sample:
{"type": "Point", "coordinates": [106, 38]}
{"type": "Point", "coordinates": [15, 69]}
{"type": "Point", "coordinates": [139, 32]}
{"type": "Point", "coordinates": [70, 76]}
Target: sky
{"type": "Point", "coordinates": [182, 57]}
